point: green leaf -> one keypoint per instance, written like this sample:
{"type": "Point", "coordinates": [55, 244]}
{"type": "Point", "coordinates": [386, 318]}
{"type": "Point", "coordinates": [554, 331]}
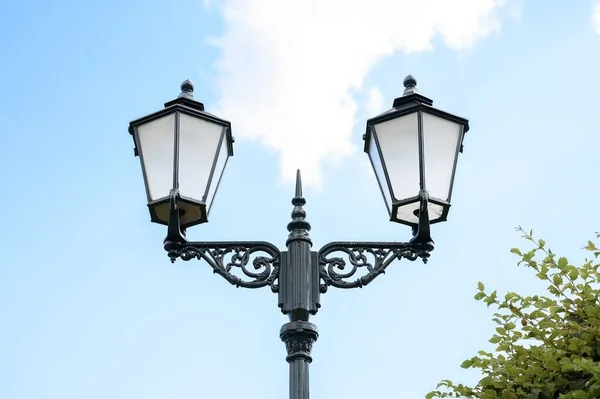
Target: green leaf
{"type": "Point", "coordinates": [510, 326]}
{"type": "Point", "coordinates": [466, 364]}
{"type": "Point", "coordinates": [557, 280]}
{"type": "Point", "coordinates": [579, 394]}
{"type": "Point", "coordinates": [516, 251]}
{"type": "Point", "coordinates": [495, 339]}
{"type": "Point", "coordinates": [545, 267]}
{"type": "Point", "coordinates": [486, 382]}
{"type": "Point", "coordinates": [488, 395]}
{"type": "Point", "coordinates": [479, 296]}
{"type": "Point", "coordinates": [480, 286]}
{"type": "Point", "coordinates": [541, 276]}
{"type": "Point", "coordinates": [529, 255]}
{"type": "Point", "coordinates": [584, 274]}
{"type": "Point", "coordinates": [541, 243]}
{"type": "Point", "coordinates": [562, 262]}
{"type": "Point", "coordinates": [574, 274]}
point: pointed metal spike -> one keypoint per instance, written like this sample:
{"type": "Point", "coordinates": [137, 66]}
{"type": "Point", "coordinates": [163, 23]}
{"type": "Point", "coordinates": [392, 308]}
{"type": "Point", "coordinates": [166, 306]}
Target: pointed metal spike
{"type": "Point", "coordinates": [298, 184]}
{"type": "Point", "coordinates": [298, 227]}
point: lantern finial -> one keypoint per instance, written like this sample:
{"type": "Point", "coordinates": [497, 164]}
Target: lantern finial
{"type": "Point", "coordinates": [187, 89]}
{"type": "Point", "coordinates": [410, 85]}
{"type": "Point", "coordinates": [411, 94]}
{"type": "Point", "coordinates": [186, 97]}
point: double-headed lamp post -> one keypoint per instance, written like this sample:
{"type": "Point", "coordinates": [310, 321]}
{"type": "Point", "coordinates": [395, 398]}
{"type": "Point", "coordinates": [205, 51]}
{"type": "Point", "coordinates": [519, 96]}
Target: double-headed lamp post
{"type": "Point", "coordinates": [413, 148]}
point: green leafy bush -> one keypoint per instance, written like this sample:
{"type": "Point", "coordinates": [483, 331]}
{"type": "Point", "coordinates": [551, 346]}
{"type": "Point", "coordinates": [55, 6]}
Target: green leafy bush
{"type": "Point", "coordinates": [547, 347]}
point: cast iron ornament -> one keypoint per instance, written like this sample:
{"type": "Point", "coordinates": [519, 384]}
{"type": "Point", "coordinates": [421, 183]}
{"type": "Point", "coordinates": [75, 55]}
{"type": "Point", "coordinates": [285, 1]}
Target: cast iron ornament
{"type": "Point", "coordinates": [226, 256]}
{"type": "Point", "coordinates": [299, 337]}
{"type": "Point", "coordinates": [335, 271]}
{"type": "Point", "coordinates": [374, 257]}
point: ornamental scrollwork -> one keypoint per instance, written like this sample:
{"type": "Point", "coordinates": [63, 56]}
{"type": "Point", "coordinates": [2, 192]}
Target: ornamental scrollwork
{"type": "Point", "coordinates": [299, 344]}
{"type": "Point", "coordinates": [299, 338]}
{"type": "Point", "coordinates": [372, 258]}
{"type": "Point", "coordinates": [226, 257]}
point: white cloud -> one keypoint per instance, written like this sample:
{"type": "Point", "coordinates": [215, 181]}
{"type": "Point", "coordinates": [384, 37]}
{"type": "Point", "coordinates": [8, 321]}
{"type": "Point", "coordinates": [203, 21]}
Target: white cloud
{"type": "Point", "coordinates": [287, 68]}
{"type": "Point", "coordinates": [596, 17]}
{"type": "Point", "coordinates": [375, 102]}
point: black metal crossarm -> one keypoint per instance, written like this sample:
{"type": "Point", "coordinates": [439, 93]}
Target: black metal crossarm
{"type": "Point", "coordinates": [226, 256]}
{"type": "Point", "coordinates": [372, 257]}
{"type": "Point", "coordinates": [338, 264]}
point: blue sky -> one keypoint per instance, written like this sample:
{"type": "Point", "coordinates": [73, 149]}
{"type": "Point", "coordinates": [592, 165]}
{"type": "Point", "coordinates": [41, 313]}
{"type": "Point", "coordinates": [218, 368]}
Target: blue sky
{"type": "Point", "coordinates": [89, 303]}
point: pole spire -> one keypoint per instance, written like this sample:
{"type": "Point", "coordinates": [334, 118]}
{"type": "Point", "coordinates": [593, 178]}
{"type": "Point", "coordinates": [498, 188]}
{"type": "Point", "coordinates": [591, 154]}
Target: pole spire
{"type": "Point", "coordinates": [299, 226]}
{"type": "Point", "coordinates": [298, 184]}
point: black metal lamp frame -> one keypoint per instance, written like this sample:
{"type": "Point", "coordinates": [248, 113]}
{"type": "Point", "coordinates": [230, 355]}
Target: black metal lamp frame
{"type": "Point", "coordinates": [413, 102]}
{"type": "Point", "coordinates": [299, 275]}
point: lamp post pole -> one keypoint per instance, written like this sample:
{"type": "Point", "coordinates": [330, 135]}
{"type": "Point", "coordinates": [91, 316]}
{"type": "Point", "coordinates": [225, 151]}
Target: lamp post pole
{"type": "Point", "coordinates": [299, 296]}
{"type": "Point", "coordinates": [299, 275]}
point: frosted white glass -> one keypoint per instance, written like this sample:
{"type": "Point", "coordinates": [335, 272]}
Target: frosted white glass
{"type": "Point", "coordinates": [198, 141]}
{"type": "Point", "coordinates": [379, 173]}
{"type": "Point", "coordinates": [407, 212]}
{"type": "Point", "coordinates": [440, 138]}
{"type": "Point", "coordinates": [156, 140]}
{"type": "Point", "coordinates": [219, 168]}
{"type": "Point", "coordinates": [399, 141]}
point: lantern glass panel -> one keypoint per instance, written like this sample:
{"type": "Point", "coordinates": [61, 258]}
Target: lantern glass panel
{"type": "Point", "coordinates": [440, 140]}
{"type": "Point", "coordinates": [156, 140]}
{"type": "Point", "coordinates": [379, 171]}
{"type": "Point", "coordinates": [399, 142]}
{"type": "Point", "coordinates": [223, 155]}
{"type": "Point", "coordinates": [198, 144]}
{"type": "Point", "coordinates": [409, 212]}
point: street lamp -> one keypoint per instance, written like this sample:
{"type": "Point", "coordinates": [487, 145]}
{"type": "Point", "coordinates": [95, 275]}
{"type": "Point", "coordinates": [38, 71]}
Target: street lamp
{"type": "Point", "coordinates": [413, 149]}
{"type": "Point", "coordinates": [183, 151]}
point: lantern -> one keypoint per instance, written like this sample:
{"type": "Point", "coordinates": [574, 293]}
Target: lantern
{"type": "Point", "coordinates": [413, 149]}
{"type": "Point", "coordinates": [182, 149]}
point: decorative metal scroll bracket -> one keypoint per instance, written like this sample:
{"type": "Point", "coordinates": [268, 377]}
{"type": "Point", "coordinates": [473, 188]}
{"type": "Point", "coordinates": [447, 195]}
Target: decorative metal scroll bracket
{"type": "Point", "coordinates": [336, 271]}
{"type": "Point", "coordinates": [225, 256]}
{"type": "Point", "coordinates": [373, 257]}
